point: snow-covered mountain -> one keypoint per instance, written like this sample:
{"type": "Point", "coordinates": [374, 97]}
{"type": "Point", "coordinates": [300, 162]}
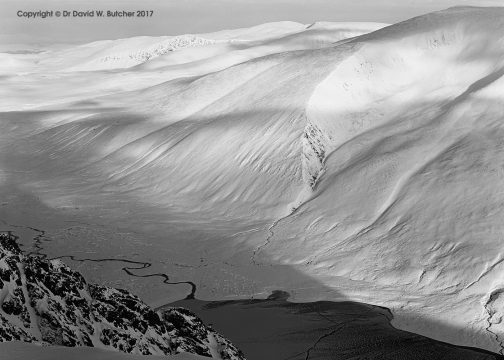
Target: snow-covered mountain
{"type": "Point", "coordinates": [223, 48]}
{"type": "Point", "coordinates": [367, 168]}
{"type": "Point", "coordinates": [125, 53]}
{"type": "Point", "coordinates": [44, 301]}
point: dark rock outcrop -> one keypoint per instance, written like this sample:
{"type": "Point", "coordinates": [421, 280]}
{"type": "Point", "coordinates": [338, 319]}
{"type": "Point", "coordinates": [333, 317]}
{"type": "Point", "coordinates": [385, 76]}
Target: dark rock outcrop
{"type": "Point", "coordinates": [46, 301]}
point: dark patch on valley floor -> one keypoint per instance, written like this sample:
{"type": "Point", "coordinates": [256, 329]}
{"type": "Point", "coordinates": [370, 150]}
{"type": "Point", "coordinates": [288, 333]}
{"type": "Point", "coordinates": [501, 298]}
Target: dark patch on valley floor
{"type": "Point", "coordinates": [276, 329]}
{"type": "Point", "coordinates": [134, 265]}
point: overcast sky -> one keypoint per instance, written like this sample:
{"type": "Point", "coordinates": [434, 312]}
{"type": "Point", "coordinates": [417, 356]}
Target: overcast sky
{"type": "Point", "coordinates": [173, 17]}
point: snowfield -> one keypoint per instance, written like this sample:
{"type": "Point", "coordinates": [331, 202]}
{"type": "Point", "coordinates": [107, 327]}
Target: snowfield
{"type": "Point", "coordinates": [332, 161]}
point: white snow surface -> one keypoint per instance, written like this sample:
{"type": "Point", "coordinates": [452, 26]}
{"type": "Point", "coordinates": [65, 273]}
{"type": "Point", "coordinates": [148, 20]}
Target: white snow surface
{"type": "Point", "coordinates": [333, 164]}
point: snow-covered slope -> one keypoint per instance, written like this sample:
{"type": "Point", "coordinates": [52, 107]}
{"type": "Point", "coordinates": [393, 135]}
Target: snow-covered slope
{"type": "Point", "coordinates": [115, 66]}
{"type": "Point", "coordinates": [125, 53]}
{"type": "Point", "coordinates": [46, 302]}
{"type": "Point", "coordinates": [367, 168]}
{"type": "Point", "coordinates": [404, 145]}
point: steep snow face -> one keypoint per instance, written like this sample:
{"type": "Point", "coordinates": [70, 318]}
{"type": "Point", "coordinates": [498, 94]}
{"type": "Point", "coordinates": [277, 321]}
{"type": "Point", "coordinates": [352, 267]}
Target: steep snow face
{"type": "Point", "coordinates": [214, 145]}
{"type": "Point", "coordinates": [45, 301]}
{"type": "Point", "coordinates": [407, 134]}
{"type": "Point", "coordinates": [434, 61]}
{"type": "Point", "coordinates": [367, 168]}
{"type": "Point", "coordinates": [390, 75]}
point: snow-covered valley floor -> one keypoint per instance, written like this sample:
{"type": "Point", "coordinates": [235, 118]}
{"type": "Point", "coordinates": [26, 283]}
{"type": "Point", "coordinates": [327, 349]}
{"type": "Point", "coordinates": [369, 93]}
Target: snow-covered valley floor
{"type": "Point", "coordinates": [339, 161]}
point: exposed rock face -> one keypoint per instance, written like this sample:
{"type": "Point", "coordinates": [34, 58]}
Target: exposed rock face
{"type": "Point", "coordinates": [314, 153]}
{"type": "Point", "coordinates": [164, 47]}
{"type": "Point", "coordinates": [46, 301]}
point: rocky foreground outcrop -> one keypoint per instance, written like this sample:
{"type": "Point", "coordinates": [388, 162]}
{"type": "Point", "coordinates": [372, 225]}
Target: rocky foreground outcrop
{"type": "Point", "coordinates": [45, 301]}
